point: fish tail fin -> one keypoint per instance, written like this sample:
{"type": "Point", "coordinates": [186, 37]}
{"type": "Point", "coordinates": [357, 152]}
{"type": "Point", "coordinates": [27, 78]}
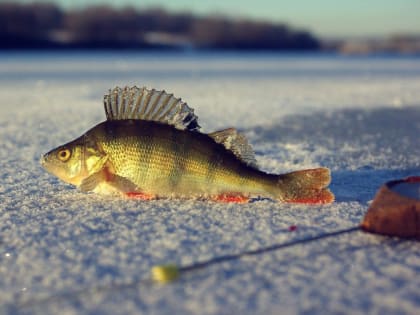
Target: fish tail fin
{"type": "Point", "coordinates": [306, 186]}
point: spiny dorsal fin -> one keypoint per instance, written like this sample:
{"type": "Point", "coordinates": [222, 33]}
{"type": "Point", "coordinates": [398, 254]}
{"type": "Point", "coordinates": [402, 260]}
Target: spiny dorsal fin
{"type": "Point", "coordinates": [236, 143]}
{"type": "Point", "coordinates": [142, 103]}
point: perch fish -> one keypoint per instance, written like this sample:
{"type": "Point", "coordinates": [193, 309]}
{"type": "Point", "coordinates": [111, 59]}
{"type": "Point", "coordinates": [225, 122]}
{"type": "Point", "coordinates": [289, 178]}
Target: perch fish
{"type": "Point", "coordinates": [150, 146]}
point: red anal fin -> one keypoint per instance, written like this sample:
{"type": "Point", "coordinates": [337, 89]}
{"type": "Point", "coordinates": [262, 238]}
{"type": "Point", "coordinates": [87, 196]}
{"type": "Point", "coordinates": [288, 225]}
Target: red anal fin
{"type": "Point", "coordinates": [314, 197]}
{"type": "Point", "coordinates": [231, 198]}
{"type": "Point", "coordinates": [140, 195]}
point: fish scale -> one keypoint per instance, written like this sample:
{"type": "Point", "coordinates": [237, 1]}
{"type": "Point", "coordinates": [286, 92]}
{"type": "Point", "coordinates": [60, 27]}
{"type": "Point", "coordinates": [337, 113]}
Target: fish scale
{"type": "Point", "coordinates": [169, 158]}
{"type": "Point", "coordinates": [150, 145]}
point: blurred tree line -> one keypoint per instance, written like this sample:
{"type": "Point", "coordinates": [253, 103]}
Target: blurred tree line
{"type": "Point", "coordinates": [43, 25]}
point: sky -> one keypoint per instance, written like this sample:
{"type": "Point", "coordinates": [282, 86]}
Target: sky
{"type": "Point", "coordinates": [327, 18]}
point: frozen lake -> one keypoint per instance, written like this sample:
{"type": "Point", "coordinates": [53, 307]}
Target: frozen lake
{"type": "Point", "coordinates": [64, 251]}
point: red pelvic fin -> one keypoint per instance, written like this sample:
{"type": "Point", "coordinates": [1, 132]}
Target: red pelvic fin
{"type": "Point", "coordinates": [231, 198]}
{"type": "Point", "coordinates": [140, 195]}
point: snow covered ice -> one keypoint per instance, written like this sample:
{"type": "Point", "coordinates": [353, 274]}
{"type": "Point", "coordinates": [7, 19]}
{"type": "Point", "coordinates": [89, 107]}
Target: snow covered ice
{"type": "Point", "coordinates": [67, 252]}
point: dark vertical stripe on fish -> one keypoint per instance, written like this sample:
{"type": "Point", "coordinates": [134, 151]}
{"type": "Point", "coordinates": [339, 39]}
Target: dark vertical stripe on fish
{"type": "Point", "coordinates": [147, 156]}
{"type": "Point", "coordinates": [180, 149]}
{"type": "Point", "coordinates": [213, 164]}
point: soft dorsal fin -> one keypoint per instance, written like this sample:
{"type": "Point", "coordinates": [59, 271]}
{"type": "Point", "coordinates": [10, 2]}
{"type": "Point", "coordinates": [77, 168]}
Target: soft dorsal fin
{"type": "Point", "coordinates": [236, 143]}
{"type": "Point", "coordinates": [142, 103]}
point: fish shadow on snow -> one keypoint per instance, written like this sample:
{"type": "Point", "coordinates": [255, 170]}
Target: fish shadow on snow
{"type": "Point", "coordinates": [364, 148]}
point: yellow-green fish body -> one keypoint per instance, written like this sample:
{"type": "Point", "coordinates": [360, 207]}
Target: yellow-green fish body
{"type": "Point", "coordinates": [150, 144]}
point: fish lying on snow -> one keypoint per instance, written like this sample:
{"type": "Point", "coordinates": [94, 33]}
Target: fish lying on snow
{"type": "Point", "coordinates": [150, 147]}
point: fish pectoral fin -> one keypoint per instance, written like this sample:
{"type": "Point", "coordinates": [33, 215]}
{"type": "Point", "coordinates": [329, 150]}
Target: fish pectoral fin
{"type": "Point", "coordinates": [90, 182]}
{"type": "Point", "coordinates": [100, 174]}
{"type": "Point", "coordinates": [120, 183]}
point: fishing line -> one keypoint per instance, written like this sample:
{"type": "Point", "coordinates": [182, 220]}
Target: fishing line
{"type": "Point", "coordinates": [168, 273]}
{"type": "Point", "coordinates": [264, 250]}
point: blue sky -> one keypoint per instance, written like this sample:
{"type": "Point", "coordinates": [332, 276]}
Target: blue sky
{"type": "Point", "coordinates": [328, 18]}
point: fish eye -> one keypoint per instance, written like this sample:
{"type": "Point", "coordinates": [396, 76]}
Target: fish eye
{"type": "Point", "coordinates": [63, 155]}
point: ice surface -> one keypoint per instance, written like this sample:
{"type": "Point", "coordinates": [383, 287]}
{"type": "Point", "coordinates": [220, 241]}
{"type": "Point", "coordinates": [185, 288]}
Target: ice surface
{"type": "Point", "coordinates": [66, 252]}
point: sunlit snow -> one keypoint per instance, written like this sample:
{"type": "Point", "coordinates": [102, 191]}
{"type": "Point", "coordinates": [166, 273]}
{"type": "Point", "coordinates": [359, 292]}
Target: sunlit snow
{"type": "Point", "coordinates": [67, 252]}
